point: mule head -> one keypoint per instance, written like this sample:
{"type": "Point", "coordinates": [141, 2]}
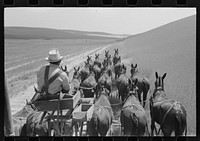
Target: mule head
{"type": "Point", "coordinates": [100, 89]}
{"type": "Point", "coordinates": [133, 69]}
{"type": "Point", "coordinates": [133, 89]}
{"type": "Point", "coordinates": [159, 83]}
{"type": "Point", "coordinates": [123, 69]}
{"type": "Point", "coordinates": [96, 56]}
{"type": "Point", "coordinates": [89, 58]}
{"type": "Point", "coordinates": [106, 53]}
{"type": "Point", "coordinates": [87, 64]}
{"type": "Point", "coordinates": [65, 70]}
{"type": "Point", "coordinates": [116, 52]}
{"type": "Point", "coordinates": [76, 72]}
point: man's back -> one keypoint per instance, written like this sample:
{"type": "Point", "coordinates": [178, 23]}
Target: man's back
{"type": "Point", "coordinates": [61, 82]}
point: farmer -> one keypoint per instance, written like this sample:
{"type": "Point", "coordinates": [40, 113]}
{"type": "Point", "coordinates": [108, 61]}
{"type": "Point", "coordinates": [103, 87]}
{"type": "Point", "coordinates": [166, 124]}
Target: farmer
{"type": "Point", "coordinates": [51, 79]}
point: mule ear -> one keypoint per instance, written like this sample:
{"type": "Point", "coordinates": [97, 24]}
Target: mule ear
{"type": "Point", "coordinates": [78, 68]}
{"type": "Point", "coordinates": [65, 68]}
{"type": "Point", "coordinates": [132, 66]}
{"type": "Point", "coordinates": [135, 65]}
{"type": "Point", "coordinates": [156, 74]}
{"type": "Point", "coordinates": [74, 69]}
{"type": "Point", "coordinates": [164, 76]}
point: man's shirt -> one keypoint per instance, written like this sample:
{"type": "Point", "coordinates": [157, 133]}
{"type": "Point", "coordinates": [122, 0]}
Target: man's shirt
{"type": "Point", "coordinates": [61, 82]}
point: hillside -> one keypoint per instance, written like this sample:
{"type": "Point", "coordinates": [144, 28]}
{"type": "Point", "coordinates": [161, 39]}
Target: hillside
{"type": "Point", "coordinates": [168, 49]}
{"type": "Point", "coordinates": [48, 34]}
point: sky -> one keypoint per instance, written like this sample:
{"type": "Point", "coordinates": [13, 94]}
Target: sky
{"type": "Point", "coordinates": [111, 20]}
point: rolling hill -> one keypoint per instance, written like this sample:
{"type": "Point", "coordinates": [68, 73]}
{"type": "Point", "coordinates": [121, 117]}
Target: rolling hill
{"type": "Point", "coordinates": [48, 34]}
{"type": "Point", "coordinates": [169, 49]}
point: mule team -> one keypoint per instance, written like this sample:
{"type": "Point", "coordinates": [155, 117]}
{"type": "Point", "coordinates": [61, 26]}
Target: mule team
{"type": "Point", "coordinates": [96, 80]}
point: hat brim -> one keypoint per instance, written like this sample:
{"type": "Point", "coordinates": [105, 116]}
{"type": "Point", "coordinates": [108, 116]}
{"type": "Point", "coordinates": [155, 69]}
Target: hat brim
{"type": "Point", "coordinates": [53, 61]}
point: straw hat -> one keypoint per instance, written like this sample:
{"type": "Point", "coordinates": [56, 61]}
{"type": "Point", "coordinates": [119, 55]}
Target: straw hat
{"type": "Point", "coordinates": [54, 56]}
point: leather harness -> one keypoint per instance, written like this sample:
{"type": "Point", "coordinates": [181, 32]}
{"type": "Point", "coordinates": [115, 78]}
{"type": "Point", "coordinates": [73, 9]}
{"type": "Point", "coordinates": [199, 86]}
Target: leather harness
{"type": "Point", "coordinates": [49, 81]}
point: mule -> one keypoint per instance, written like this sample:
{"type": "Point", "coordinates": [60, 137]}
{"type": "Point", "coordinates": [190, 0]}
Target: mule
{"type": "Point", "coordinates": [76, 81]}
{"type": "Point", "coordinates": [106, 54]}
{"type": "Point", "coordinates": [19, 118]}
{"type": "Point", "coordinates": [85, 71]}
{"type": "Point", "coordinates": [106, 78]}
{"type": "Point", "coordinates": [117, 69]}
{"type": "Point", "coordinates": [97, 61]}
{"type": "Point", "coordinates": [169, 114]}
{"type": "Point", "coordinates": [97, 72]}
{"type": "Point", "coordinates": [102, 117]}
{"type": "Point", "coordinates": [88, 84]}
{"type": "Point", "coordinates": [116, 57]}
{"type": "Point", "coordinates": [143, 83]}
{"type": "Point", "coordinates": [133, 116]}
{"type": "Point", "coordinates": [89, 60]}
{"type": "Point", "coordinates": [122, 83]}
{"type": "Point", "coordinates": [37, 121]}
{"type": "Point", "coordinates": [33, 127]}
{"type": "Point", "coordinates": [107, 60]}
{"type": "Point", "coordinates": [65, 70]}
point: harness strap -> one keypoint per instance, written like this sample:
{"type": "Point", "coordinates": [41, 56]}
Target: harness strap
{"type": "Point", "coordinates": [48, 82]}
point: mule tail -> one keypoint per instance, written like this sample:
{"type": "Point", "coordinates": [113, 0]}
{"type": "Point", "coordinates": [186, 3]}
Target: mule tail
{"type": "Point", "coordinates": [96, 123]}
{"type": "Point", "coordinates": [178, 123]}
{"type": "Point", "coordinates": [135, 121]}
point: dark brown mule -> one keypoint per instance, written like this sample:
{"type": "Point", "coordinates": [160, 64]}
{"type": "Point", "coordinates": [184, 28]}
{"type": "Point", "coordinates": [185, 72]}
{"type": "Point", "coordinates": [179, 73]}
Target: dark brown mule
{"type": "Point", "coordinates": [106, 54]}
{"type": "Point", "coordinates": [88, 83]}
{"type": "Point", "coordinates": [106, 78]}
{"type": "Point", "coordinates": [117, 69]}
{"type": "Point", "coordinates": [100, 123]}
{"type": "Point", "coordinates": [122, 83]}
{"type": "Point", "coordinates": [19, 119]}
{"type": "Point", "coordinates": [85, 71]}
{"type": "Point", "coordinates": [97, 71]}
{"type": "Point", "coordinates": [89, 60]}
{"type": "Point", "coordinates": [107, 60]}
{"type": "Point", "coordinates": [116, 57]}
{"type": "Point", "coordinates": [37, 123]}
{"type": "Point", "coordinates": [169, 114]}
{"type": "Point", "coordinates": [33, 127]}
{"type": "Point", "coordinates": [143, 83]}
{"type": "Point", "coordinates": [97, 61]}
{"type": "Point", "coordinates": [133, 116]}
